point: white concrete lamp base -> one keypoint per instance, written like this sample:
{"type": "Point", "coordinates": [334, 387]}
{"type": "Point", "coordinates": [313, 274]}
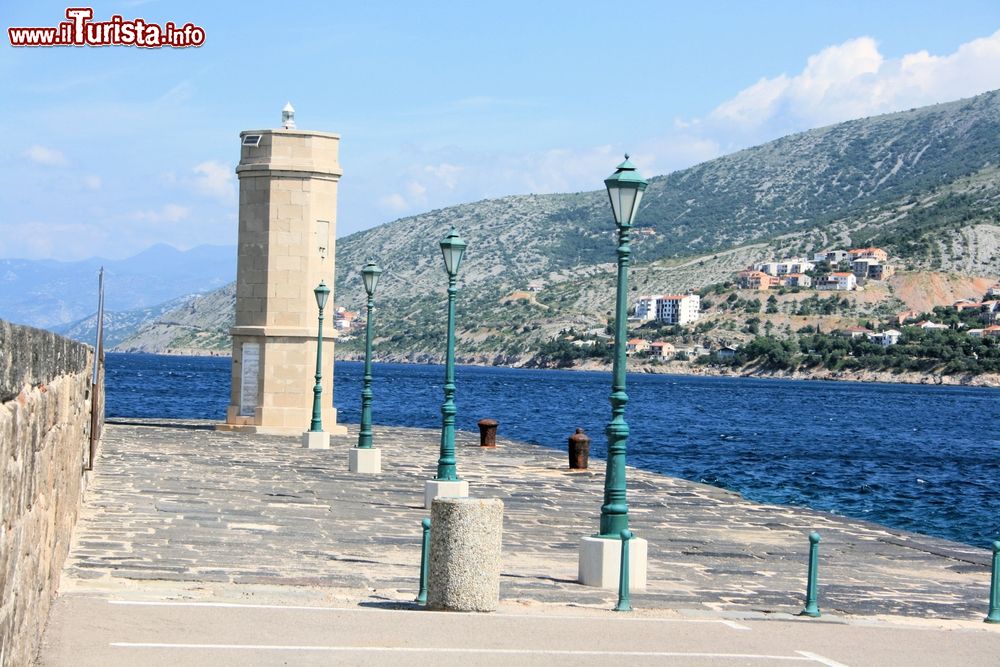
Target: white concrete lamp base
{"type": "Point", "coordinates": [436, 488]}
{"type": "Point", "coordinates": [316, 440]}
{"type": "Point", "coordinates": [367, 461]}
{"type": "Point", "coordinates": [600, 560]}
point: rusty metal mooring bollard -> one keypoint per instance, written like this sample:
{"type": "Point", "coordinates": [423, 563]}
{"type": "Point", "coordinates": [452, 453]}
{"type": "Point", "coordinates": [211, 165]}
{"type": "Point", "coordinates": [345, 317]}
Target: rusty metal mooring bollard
{"type": "Point", "coordinates": [488, 432]}
{"type": "Point", "coordinates": [579, 450]}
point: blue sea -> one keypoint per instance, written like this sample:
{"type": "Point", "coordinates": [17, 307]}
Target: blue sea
{"type": "Point", "coordinates": [919, 458]}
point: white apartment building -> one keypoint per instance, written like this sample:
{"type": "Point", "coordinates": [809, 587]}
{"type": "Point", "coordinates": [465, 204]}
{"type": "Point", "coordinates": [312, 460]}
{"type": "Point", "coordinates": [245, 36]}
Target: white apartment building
{"type": "Point", "coordinates": [833, 256]}
{"type": "Point", "coordinates": [785, 266]}
{"type": "Point", "coordinates": [669, 308]}
{"type": "Point", "coordinates": [840, 280]}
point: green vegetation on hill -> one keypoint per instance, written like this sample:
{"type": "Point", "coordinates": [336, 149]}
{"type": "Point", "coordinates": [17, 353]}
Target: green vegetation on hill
{"type": "Point", "coordinates": [944, 351]}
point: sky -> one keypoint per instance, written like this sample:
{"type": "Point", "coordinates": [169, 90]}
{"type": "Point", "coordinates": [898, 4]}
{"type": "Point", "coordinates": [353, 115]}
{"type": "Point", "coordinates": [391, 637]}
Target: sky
{"type": "Point", "coordinates": [108, 150]}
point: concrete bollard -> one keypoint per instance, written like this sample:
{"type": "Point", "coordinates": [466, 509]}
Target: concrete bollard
{"type": "Point", "coordinates": [464, 569]}
{"type": "Point", "coordinates": [488, 432]}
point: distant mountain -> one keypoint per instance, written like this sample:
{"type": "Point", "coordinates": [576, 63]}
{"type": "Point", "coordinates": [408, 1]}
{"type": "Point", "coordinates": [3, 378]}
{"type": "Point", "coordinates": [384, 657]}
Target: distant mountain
{"type": "Point", "coordinates": [47, 293]}
{"type": "Point", "coordinates": [118, 325]}
{"type": "Point", "coordinates": [924, 183]}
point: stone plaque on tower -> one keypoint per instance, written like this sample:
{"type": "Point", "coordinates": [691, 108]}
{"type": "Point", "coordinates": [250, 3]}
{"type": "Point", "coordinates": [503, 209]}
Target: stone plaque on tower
{"type": "Point", "coordinates": [287, 225]}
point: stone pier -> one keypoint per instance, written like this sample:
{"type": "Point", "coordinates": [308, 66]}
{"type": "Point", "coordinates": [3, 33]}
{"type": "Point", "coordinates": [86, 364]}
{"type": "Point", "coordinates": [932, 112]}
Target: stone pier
{"type": "Point", "coordinates": [181, 511]}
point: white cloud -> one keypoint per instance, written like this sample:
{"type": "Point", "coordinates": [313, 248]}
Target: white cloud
{"type": "Point", "coordinates": [92, 182]}
{"type": "Point", "coordinates": [44, 240]}
{"type": "Point", "coordinates": [216, 180]}
{"type": "Point", "coordinates": [167, 213]}
{"type": "Point", "coordinates": [394, 202]}
{"type": "Point", "coordinates": [49, 157]}
{"type": "Point", "coordinates": [855, 79]}
{"type": "Point", "coordinates": [446, 173]}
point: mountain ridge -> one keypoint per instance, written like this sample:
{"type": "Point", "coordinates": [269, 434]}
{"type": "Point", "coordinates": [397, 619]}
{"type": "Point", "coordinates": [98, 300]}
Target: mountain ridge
{"type": "Point", "coordinates": [924, 183]}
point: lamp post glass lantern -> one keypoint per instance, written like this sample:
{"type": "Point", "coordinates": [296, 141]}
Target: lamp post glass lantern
{"type": "Point", "coordinates": [369, 275]}
{"type": "Point", "coordinates": [322, 292]}
{"type": "Point", "coordinates": [625, 188]}
{"type": "Point", "coordinates": [452, 248]}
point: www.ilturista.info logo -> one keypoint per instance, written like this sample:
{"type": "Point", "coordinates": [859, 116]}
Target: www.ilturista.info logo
{"type": "Point", "coordinates": [79, 30]}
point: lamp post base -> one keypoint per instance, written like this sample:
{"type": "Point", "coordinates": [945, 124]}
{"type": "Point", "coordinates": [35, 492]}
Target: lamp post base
{"type": "Point", "coordinates": [367, 461]}
{"type": "Point", "coordinates": [439, 488]}
{"type": "Point", "coordinates": [316, 440]}
{"type": "Point", "coordinates": [600, 563]}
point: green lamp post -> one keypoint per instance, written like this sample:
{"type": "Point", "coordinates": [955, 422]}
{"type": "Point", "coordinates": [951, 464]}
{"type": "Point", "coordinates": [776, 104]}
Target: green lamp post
{"type": "Point", "coordinates": [369, 274]}
{"type": "Point", "coordinates": [322, 293]}
{"type": "Point", "coordinates": [625, 188]}
{"type": "Point", "coordinates": [452, 247]}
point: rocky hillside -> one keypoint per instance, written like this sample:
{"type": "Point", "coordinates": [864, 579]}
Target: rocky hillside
{"type": "Point", "coordinates": [199, 325]}
{"type": "Point", "coordinates": [923, 183]}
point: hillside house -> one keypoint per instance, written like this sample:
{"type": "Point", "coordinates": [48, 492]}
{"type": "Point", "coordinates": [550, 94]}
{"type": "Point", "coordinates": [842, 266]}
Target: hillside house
{"type": "Point", "coordinates": [881, 271]}
{"type": "Point", "coordinates": [966, 304]}
{"type": "Point", "coordinates": [877, 254]}
{"type": "Point", "coordinates": [993, 291]}
{"type": "Point", "coordinates": [726, 352]}
{"type": "Point", "coordinates": [637, 345]}
{"type": "Point", "coordinates": [753, 279]}
{"type": "Point", "coordinates": [662, 350]}
{"type": "Point", "coordinates": [854, 332]}
{"type": "Point", "coordinates": [694, 351]}
{"type": "Point", "coordinates": [343, 318]}
{"type": "Point", "coordinates": [992, 331]}
{"type": "Point", "coordinates": [835, 257]}
{"type": "Point", "coordinates": [797, 280]}
{"type": "Point", "coordinates": [838, 280]}
{"type": "Point", "coordinates": [906, 315]}
{"type": "Point", "coordinates": [927, 324]}
{"type": "Point", "coordinates": [784, 266]}
{"type": "Point", "coordinates": [669, 308]}
{"type": "Point", "coordinates": [868, 268]}
{"type": "Point", "coordinates": [885, 338]}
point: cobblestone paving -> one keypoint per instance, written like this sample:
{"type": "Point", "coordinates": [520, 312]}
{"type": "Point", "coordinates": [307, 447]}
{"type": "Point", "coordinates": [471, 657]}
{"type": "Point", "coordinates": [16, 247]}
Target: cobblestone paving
{"type": "Point", "coordinates": [199, 509]}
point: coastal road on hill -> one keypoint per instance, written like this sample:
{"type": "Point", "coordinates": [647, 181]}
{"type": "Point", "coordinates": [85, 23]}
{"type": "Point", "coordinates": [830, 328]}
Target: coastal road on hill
{"type": "Point", "coordinates": [171, 633]}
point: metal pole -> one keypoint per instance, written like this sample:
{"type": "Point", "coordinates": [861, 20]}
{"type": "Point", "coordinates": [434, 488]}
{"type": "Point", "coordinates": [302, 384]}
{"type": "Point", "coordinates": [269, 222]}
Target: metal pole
{"type": "Point", "coordinates": [424, 557]}
{"type": "Point", "coordinates": [365, 434]}
{"type": "Point", "coordinates": [317, 416]}
{"type": "Point", "coordinates": [614, 511]}
{"type": "Point", "coordinates": [994, 613]}
{"type": "Point", "coordinates": [95, 389]}
{"type": "Point", "coordinates": [446, 462]}
{"type": "Point", "coordinates": [624, 601]}
{"type": "Point", "coordinates": [812, 608]}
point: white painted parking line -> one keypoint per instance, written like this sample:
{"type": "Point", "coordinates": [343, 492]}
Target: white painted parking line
{"type": "Point", "coordinates": [733, 624]}
{"type": "Point", "coordinates": [617, 618]}
{"type": "Point", "coordinates": [475, 651]}
{"type": "Point", "coordinates": [820, 659]}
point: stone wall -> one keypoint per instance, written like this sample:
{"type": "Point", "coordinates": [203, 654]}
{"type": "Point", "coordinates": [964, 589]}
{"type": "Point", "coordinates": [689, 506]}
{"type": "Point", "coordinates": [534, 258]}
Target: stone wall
{"type": "Point", "coordinates": [44, 444]}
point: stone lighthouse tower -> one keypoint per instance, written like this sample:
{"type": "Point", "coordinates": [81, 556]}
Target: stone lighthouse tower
{"type": "Point", "coordinates": [287, 224]}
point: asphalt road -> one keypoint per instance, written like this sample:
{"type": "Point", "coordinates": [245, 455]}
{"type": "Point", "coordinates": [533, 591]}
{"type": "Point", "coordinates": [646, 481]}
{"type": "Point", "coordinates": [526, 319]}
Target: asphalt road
{"type": "Point", "coordinates": [87, 630]}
